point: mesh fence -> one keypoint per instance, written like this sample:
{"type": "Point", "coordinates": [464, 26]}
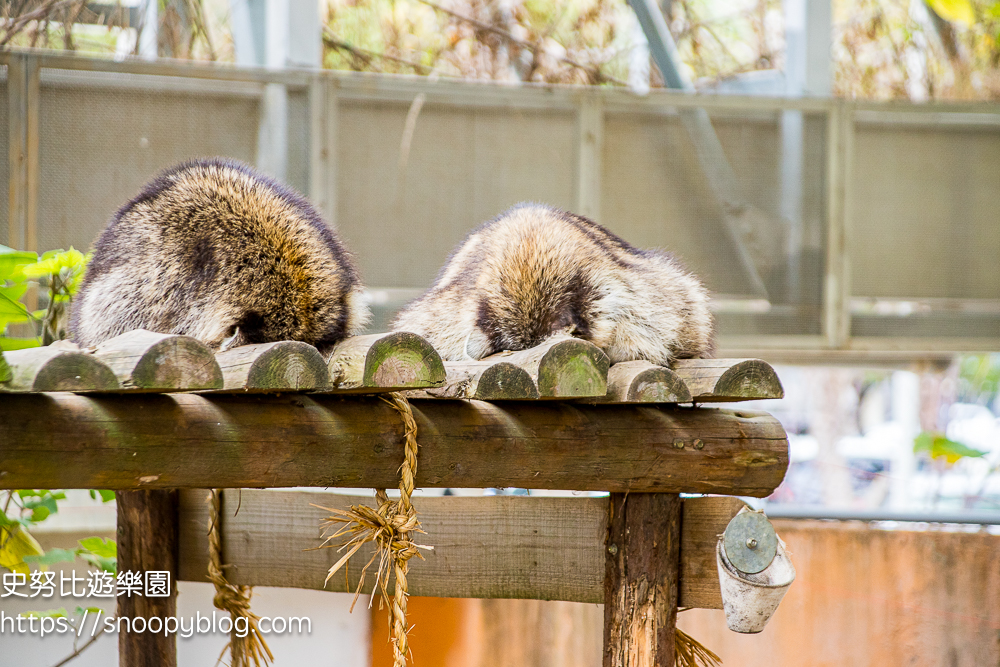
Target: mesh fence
{"type": "Point", "coordinates": [921, 210]}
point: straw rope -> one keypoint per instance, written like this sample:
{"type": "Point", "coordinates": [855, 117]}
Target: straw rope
{"type": "Point", "coordinates": [243, 651]}
{"type": "Point", "coordinates": [390, 527]}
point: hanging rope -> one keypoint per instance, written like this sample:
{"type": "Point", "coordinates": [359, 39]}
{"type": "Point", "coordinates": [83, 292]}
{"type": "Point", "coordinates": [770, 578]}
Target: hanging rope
{"type": "Point", "coordinates": [243, 651]}
{"type": "Point", "coordinates": [390, 527]}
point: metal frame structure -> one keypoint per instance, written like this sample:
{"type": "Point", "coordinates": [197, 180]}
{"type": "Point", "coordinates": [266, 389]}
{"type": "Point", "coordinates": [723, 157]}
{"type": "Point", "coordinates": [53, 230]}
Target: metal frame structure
{"type": "Point", "coordinates": [27, 70]}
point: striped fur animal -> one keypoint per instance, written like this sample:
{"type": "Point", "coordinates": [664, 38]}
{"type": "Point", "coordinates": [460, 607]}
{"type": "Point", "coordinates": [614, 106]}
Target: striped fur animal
{"type": "Point", "coordinates": [536, 271]}
{"type": "Point", "coordinates": [215, 250]}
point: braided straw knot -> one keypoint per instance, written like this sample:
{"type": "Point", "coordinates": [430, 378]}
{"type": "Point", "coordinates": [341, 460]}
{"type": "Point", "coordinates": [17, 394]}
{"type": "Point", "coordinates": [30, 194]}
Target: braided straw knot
{"type": "Point", "coordinates": [389, 527]}
{"type": "Point", "coordinates": [234, 599]}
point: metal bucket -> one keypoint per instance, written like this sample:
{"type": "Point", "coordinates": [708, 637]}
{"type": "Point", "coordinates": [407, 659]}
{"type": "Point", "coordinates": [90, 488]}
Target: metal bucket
{"type": "Point", "coordinates": [750, 598]}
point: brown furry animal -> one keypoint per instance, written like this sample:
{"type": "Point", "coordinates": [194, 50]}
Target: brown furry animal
{"type": "Point", "coordinates": [214, 250]}
{"type": "Point", "coordinates": [536, 271]}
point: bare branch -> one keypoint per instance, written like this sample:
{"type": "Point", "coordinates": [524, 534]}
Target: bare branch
{"type": "Point", "coordinates": [366, 56]}
{"type": "Point", "coordinates": [78, 651]}
{"type": "Point", "coordinates": [595, 73]}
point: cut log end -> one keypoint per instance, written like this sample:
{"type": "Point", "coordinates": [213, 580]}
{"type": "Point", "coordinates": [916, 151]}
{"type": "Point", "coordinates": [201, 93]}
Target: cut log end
{"type": "Point", "coordinates": [563, 367]}
{"type": "Point", "coordinates": [403, 359]}
{"type": "Point", "coordinates": [148, 361]}
{"type": "Point", "coordinates": [750, 379]}
{"type": "Point", "coordinates": [504, 381]}
{"type": "Point", "coordinates": [47, 369]}
{"type": "Point", "coordinates": [729, 380]}
{"type": "Point", "coordinates": [271, 367]}
{"type": "Point", "coordinates": [178, 362]}
{"type": "Point", "coordinates": [573, 368]}
{"type": "Point", "coordinates": [643, 382]}
{"type": "Point", "coordinates": [386, 362]}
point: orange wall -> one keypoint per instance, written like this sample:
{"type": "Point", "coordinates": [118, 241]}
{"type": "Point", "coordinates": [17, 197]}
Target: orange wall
{"type": "Point", "coordinates": [863, 597]}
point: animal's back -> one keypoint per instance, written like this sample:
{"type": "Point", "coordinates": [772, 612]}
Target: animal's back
{"type": "Point", "coordinates": [536, 271]}
{"type": "Point", "coordinates": [213, 249]}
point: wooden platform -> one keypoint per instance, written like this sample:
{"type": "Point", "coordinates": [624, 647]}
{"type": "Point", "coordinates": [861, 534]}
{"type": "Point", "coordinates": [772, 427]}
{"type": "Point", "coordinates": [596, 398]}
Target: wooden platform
{"type": "Point", "coordinates": [161, 418]}
{"type": "Point", "coordinates": [566, 368]}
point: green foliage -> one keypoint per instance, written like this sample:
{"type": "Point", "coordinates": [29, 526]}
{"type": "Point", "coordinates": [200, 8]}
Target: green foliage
{"type": "Point", "coordinates": [936, 49]}
{"type": "Point", "coordinates": [26, 508]}
{"type": "Point", "coordinates": [939, 447]}
{"type": "Point", "coordinates": [979, 378]}
{"type": "Point", "coordinates": [50, 613]}
{"type": "Point", "coordinates": [104, 494]}
{"type": "Point", "coordinates": [16, 545]}
{"type": "Point", "coordinates": [552, 41]}
{"type": "Point", "coordinates": [57, 274]}
{"type": "Point", "coordinates": [101, 553]}
{"type": "Point", "coordinates": [51, 557]}
{"type": "Point", "coordinates": [957, 11]}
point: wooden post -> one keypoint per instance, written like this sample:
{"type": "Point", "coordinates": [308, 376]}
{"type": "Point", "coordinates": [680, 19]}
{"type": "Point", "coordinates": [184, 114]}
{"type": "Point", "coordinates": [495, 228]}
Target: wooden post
{"type": "Point", "coordinates": [147, 541]}
{"type": "Point", "coordinates": [641, 579]}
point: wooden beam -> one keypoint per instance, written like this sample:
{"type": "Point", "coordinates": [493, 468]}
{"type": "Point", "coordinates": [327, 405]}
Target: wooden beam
{"type": "Point", "coordinates": [642, 570]}
{"type": "Point", "coordinates": [563, 367]}
{"type": "Point", "coordinates": [273, 367]}
{"type": "Point", "coordinates": [147, 361]}
{"type": "Point", "coordinates": [244, 441]}
{"type": "Point", "coordinates": [729, 380]}
{"type": "Point", "coordinates": [147, 541]}
{"type": "Point", "coordinates": [54, 368]}
{"type": "Point", "coordinates": [484, 547]}
{"type": "Point", "coordinates": [703, 520]}
{"type": "Point", "coordinates": [385, 362]}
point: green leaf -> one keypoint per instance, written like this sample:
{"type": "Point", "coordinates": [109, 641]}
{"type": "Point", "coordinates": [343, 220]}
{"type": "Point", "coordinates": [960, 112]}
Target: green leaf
{"type": "Point", "coordinates": [8, 343]}
{"type": "Point", "coordinates": [40, 513]}
{"type": "Point", "coordinates": [106, 495]}
{"type": "Point", "coordinates": [6, 374]}
{"type": "Point", "coordinates": [11, 306]}
{"type": "Point", "coordinates": [11, 262]}
{"type": "Point", "coordinates": [100, 562]}
{"type": "Point", "coordinates": [46, 501]}
{"type": "Point", "coordinates": [939, 446]}
{"type": "Point", "coordinates": [51, 557]}
{"type": "Point", "coordinates": [17, 545]}
{"type": "Point", "coordinates": [100, 546]}
{"type": "Point", "coordinates": [14, 292]}
{"type": "Point", "coordinates": [50, 613]}
{"type": "Point", "coordinates": [956, 11]}
{"type": "Point", "coordinates": [79, 611]}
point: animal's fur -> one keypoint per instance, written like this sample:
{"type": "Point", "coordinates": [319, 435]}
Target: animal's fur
{"type": "Point", "coordinates": [214, 250]}
{"type": "Point", "coordinates": [536, 271]}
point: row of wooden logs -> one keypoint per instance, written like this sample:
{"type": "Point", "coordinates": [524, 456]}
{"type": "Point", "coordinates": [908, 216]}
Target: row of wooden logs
{"type": "Point", "coordinates": [143, 361]}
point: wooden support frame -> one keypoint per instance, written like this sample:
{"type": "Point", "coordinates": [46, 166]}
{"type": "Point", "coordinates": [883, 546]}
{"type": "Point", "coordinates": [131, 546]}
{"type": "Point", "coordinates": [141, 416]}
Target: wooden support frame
{"type": "Point", "coordinates": [147, 542]}
{"type": "Point", "coordinates": [484, 547]}
{"type": "Point", "coordinates": [641, 581]}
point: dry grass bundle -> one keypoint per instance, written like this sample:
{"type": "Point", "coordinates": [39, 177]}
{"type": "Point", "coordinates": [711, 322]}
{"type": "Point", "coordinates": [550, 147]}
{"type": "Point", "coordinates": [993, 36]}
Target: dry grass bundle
{"type": "Point", "coordinates": [389, 527]}
{"type": "Point", "coordinates": [689, 652]}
